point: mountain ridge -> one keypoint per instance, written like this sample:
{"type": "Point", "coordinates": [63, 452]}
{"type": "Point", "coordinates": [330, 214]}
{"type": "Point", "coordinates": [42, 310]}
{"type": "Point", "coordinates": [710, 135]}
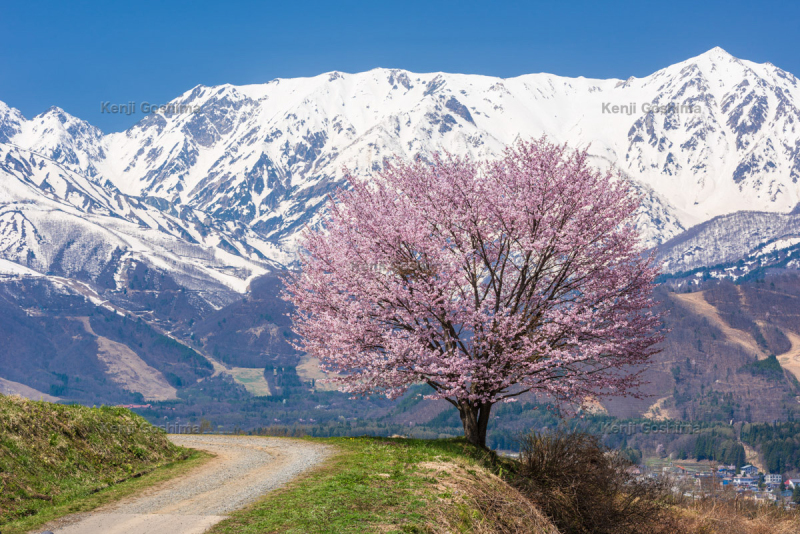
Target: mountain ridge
{"type": "Point", "coordinates": [266, 155]}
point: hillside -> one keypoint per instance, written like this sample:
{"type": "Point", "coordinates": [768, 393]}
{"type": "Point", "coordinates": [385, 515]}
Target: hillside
{"type": "Point", "coordinates": [716, 364]}
{"type": "Point", "coordinates": [395, 485]}
{"type": "Point", "coordinates": [61, 344]}
{"type": "Point", "coordinates": [444, 486]}
{"type": "Point", "coordinates": [234, 366]}
{"type": "Point", "coordinates": [52, 454]}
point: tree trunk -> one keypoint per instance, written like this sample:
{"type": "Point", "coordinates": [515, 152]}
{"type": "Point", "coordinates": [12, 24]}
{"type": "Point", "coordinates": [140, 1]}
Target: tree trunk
{"type": "Point", "coordinates": [475, 419]}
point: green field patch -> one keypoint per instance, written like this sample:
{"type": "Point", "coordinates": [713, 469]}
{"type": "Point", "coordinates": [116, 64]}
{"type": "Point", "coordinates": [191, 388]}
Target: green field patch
{"type": "Point", "coordinates": [252, 379]}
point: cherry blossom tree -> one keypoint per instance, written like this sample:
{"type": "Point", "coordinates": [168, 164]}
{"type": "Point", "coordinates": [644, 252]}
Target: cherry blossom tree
{"type": "Point", "coordinates": [484, 280]}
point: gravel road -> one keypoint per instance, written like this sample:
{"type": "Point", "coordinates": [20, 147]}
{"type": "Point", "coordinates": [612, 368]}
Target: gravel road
{"type": "Point", "coordinates": [244, 469]}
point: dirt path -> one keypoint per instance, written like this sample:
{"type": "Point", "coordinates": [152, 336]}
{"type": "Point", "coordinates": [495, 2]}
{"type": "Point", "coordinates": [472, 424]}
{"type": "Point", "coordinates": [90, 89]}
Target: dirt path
{"type": "Point", "coordinates": [244, 469]}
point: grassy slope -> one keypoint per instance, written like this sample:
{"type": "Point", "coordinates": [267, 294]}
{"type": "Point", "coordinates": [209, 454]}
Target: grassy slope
{"type": "Point", "coordinates": [54, 457]}
{"type": "Point", "coordinates": [444, 486]}
{"type": "Point", "coordinates": [390, 485]}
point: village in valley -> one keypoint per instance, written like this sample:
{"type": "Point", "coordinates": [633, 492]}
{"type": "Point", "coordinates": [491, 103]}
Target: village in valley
{"type": "Point", "coordinates": [696, 481]}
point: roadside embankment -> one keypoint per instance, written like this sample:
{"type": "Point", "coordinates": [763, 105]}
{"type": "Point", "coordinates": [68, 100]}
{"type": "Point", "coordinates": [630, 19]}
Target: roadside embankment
{"type": "Point", "coordinates": [52, 455]}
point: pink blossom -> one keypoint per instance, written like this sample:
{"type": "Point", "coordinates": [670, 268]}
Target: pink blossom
{"type": "Point", "coordinates": [482, 279]}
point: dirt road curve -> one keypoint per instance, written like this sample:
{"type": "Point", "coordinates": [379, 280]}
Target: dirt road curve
{"type": "Point", "coordinates": [244, 469]}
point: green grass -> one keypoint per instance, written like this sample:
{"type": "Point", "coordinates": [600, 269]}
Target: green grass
{"type": "Point", "coordinates": [368, 485]}
{"type": "Point", "coordinates": [54, 457]}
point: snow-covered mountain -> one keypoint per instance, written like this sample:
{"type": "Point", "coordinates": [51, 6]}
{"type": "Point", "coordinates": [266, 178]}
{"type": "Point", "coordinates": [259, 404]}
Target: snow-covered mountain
{"type": "Point", "coordinates": [707, 137]}
{"type": "Point", "coordinates": [56, 221]}
{"type": "Point", "coordinates": [738, 246]}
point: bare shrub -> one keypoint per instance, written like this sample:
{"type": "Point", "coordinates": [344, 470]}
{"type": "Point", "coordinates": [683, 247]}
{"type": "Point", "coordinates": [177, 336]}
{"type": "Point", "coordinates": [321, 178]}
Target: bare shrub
{"type": "Point", "coordinates": [587, 489]}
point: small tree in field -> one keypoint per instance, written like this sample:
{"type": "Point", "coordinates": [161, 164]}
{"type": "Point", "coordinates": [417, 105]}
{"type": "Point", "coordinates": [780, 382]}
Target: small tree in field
{"type": "Point", "coordinates": [484, 280]}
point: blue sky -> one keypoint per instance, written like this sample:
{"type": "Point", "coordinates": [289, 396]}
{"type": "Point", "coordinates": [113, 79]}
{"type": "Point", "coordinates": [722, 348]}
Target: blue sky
{"type": "Point", "coordinates": [78, 54]}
